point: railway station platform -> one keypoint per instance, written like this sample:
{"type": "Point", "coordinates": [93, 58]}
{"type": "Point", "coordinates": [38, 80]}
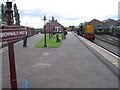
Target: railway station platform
{"type": "Point", "coordinates": [77, 63]}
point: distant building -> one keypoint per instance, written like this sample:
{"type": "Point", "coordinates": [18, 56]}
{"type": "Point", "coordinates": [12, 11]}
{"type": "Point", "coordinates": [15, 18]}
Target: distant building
{"type": "Point", "coordinates": [54, 26]}
{"type": "Point", "coordinates": [97, 23]}
{"type": "Point", "coordinates": [105, 23]}
{"type": "Point", "coordinates": [110, 22]}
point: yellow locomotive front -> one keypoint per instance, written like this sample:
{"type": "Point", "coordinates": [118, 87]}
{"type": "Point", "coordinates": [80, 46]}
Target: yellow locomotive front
{"type": "Point", "coordinates": [89, 32]}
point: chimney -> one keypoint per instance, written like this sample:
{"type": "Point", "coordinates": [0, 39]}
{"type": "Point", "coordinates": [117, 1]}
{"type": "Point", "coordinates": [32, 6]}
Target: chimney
{"type": "Point", "coordinates": [52, 18]}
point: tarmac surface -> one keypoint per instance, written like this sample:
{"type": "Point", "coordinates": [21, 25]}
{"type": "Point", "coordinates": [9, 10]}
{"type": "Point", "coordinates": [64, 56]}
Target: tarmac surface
{"type": "Point", "coordinates": [72, 65]}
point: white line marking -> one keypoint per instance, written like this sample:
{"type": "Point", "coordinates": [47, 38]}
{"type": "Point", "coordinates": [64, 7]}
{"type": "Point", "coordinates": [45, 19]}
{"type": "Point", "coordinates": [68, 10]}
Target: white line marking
{"type": "Point", "coordinates": [108, 52]}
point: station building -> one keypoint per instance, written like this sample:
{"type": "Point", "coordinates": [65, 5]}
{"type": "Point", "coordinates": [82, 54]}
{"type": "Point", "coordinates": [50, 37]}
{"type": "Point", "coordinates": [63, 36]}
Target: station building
{"type": "Point", "coordinates": [54, 26]}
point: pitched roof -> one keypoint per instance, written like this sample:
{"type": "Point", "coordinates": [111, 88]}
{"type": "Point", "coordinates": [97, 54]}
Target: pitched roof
{"type": "Point", "coordinates": [96, 22]}
{"type": "Point", "coordinates": [56, 24]}
{"type": "Point", "coordinates": [109, 22]}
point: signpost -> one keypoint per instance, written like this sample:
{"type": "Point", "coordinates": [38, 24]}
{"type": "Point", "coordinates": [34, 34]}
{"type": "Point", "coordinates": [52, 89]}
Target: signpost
{"type": "Point", "coordinates": [10, 34]}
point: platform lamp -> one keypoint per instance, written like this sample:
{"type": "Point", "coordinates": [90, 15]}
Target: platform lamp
{"type": "Point", "coordinates": [9, 11]}
{"type": "Point", "coordinates": [13, 76]}
{"type": "Point", "coordinates": [44, 19]}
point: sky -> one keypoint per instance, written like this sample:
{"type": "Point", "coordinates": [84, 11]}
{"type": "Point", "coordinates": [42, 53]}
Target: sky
{"type": "Point", "coordinates": [67, 12]}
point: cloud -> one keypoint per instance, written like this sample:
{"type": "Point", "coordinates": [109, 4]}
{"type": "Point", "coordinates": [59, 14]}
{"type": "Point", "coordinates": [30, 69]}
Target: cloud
{"type": "Point", "coordinates": [32, 21]}
{"type": "Point", "coordinates": [31, 13]}
{"type": "Point", "coordinates": [67, 12]}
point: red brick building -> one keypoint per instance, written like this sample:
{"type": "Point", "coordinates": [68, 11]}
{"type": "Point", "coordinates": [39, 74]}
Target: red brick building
{"type": "Point", "coordinates": [54, 26]}
{"type": "Point", "coordinates": [97, 23]}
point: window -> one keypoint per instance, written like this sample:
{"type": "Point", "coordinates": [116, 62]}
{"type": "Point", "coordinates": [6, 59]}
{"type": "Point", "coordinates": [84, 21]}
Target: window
{"type": "Point", "coordinates": [57, 28]}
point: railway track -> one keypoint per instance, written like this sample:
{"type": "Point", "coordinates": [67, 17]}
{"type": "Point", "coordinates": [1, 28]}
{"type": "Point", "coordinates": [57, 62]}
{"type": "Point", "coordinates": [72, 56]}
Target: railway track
{"type": "Point", "coordinates": [109, 39]}
{"type": "Point", "coordinates": [117, 54]}
{"type": "Point", "coordinates": [108, 44]}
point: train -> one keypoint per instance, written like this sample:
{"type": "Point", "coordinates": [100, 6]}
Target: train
{"type": "Point", "coordinates": [87, 31]}
{"type": "Point", "coordinates": [30, 31]}
{"type": "Point", "coordinates": [109, 30]}
{"type": "Point", "coordinates": [112, 30]}
{"type": "Point", "coordinates": [99, 30]}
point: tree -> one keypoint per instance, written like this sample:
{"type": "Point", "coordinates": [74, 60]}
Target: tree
{"type": "Point", "coordinates": [16, 15]}
{"type": "Point", "coordinates": [73, 27]}
{"type": "Point", "coordinates": [70, 27]}
{"type": "Point", "coordinates": [3, 13]}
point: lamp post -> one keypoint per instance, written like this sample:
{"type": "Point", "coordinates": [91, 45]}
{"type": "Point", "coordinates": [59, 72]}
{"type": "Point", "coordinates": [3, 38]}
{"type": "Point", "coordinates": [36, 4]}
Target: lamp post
{"type": "Point", "coordinates": [13, 77]}
{"type": "Point", "coordinates": [44, 19]}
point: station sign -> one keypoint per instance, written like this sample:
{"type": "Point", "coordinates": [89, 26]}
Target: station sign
{"type": "Point", "coordinates": [12, 34]}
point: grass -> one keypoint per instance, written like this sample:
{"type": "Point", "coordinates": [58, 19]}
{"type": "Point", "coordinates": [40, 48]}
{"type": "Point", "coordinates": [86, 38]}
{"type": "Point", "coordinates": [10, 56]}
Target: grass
{"type": "Point", "coordinates": [50, 42]}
